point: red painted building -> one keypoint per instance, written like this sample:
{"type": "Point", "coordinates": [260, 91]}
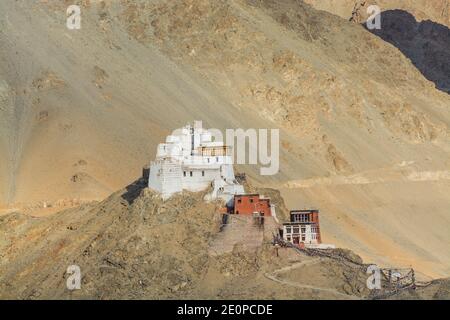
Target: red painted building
{"type": "Point", "coordinates": [251, 203]}
{"type": "Point", "coordinates": [305, 216]}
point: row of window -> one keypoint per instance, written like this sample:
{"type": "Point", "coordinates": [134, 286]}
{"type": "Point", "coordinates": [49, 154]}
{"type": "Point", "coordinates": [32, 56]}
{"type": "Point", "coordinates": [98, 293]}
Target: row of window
{"type": "Point", "coordinates": [302, 218]}
{"type": "Point", "coordinates": [302, 237]}
{"type": "Point", "coordinates": [191, 173]}
{"type": "Point", "coordinates": [297, 230]}
{"type": "Point", "coordinates": [290, 239]}
{"type": "Point", "coordinates": [240, 200]}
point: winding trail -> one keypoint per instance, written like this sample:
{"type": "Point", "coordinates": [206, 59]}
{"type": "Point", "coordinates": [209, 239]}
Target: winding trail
{"type": "Point", "coordinates": [274, 278]}
{"type": "Point", "coordinates": [401, 172]}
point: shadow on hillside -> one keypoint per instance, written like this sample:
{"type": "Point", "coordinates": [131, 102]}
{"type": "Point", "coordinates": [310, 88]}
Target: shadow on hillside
{"type": "Point", "coordinates": [426, 44]}
{"type": "Point", "coordinates": [134, 190]}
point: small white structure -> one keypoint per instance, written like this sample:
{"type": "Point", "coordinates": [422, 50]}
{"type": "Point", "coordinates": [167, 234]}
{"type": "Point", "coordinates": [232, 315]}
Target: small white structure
{"type": "Point", "coordinates": [191, 160]}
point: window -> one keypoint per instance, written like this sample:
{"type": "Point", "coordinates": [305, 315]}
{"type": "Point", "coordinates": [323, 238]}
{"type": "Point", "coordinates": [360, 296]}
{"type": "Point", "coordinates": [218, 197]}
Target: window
{"type": "Point", "coordinates": [203, 173]}
{"type": "Point", "coordinates": [251, 200]}
{"type": "Point", "coordinates": [239, 200]}
{"type": "Point", "coordinates": [288, 230]}
{"type": "Point", "coordinates": [295, 229]}
{"type": "Point", "coordinates": [303, 230]}
{"type": "Point", "coordinates": [191, 173]}
{"type": "Point", "coordinates": [184, 173]}
{"type": "Point", "coordinates": [303, 237]}
{"type": "Point", "coordinates": [217, 159]}
{"type": "Point", "coordinates": [288, 238]}
{"type": "Point", "coordinates": [302, 217]}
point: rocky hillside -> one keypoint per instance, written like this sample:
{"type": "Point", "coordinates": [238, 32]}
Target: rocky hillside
{"type": "Point", "coordinates": [364, 135]}
{"type": "Point", "coordinates": [134, 246]}
{"type": "Point", "coordinates": [434, 10]}
{"type": "Point", "coordinates": [420, 29]}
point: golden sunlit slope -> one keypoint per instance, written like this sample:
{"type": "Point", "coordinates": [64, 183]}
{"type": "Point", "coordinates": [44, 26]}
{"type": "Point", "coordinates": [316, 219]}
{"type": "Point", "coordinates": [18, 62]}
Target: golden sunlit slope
{"type": "Point", "coordinates": [87, 108]}
{"type": "Point", "coordinates": [363, 132]}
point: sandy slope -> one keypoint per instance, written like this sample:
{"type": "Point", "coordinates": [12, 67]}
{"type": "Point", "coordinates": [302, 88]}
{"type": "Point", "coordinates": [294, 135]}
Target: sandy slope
{"type": "Point", "coordinates": [88, 108]}
{"type": "Point", "coordinates": [109, 121]}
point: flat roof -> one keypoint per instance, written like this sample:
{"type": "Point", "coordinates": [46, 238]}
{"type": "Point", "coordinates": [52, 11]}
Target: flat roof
{"type": "Point", "coordinates": [298, 223]}
{"type": "Point", "coordinates": [261, 197]}
{"type": "Point", "coordinates": [304, 210]}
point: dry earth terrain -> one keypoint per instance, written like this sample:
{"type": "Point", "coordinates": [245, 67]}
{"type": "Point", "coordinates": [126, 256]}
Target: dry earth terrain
{"type": "Point", "coordinates": [134, 246]}
{"type": "Point", "coordinates": [364, 132]}
{"type": "Point", "coordinates": [435, 10]}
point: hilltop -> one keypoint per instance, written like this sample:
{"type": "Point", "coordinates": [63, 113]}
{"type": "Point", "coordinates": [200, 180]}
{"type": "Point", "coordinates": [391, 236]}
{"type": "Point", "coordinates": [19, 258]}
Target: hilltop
{"type": "Point", "coordinates": [135, 246]}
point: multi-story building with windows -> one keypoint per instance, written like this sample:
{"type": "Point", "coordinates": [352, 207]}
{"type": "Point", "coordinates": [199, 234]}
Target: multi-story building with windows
{"type": "Point", "coordinates": [303, 228]}
{"type": "Point", "coordinates": [191, 160]}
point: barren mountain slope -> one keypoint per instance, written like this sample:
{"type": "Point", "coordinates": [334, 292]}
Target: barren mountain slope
{"type": "Point", "coordinates": [420, 29]}
{"type": "Point", "coordinates": [356, 104]}
{"type": "Point", "coordinates": [435, 10]}
{"type": "Point", "coordinates": [87, 108]}
{"type": "Point", "coordinates": [134, 246]}
{"type": "Point", "coordinates": [365, 137]}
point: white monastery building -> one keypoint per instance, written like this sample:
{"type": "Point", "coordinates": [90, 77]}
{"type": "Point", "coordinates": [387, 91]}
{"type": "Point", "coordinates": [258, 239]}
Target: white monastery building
{"type": "Point", "coordinates": [191, 160]}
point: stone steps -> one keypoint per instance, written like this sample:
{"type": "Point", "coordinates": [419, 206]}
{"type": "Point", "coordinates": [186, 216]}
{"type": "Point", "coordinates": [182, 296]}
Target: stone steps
{"type": "Point", "coordinates": [241, 230]}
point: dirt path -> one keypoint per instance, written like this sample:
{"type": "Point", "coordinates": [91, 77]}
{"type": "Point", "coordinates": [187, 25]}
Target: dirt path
{"type": "Point", "coordinates": [382, 175]}
{"type": "Point", "coordinates": [274, 277]}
